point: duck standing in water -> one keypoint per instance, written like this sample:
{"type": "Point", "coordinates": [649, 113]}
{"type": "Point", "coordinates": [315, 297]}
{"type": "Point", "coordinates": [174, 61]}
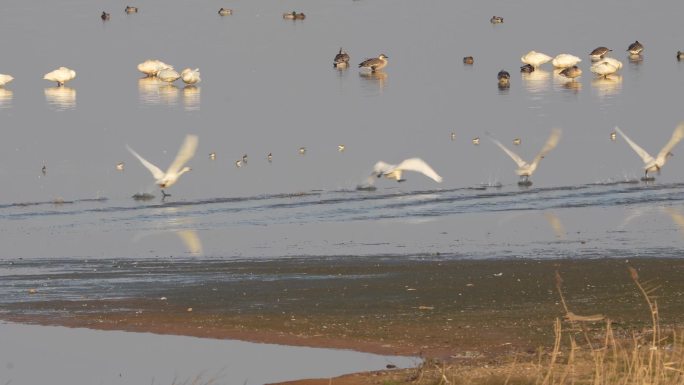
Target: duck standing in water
{"type": "Point", "coordinates": [571, 72]}
{"type": "Point", "coordinates": [504, 79]}
{"type": "Point", "coordinates": [104, 16]}
{"type": "Point", "coordinates": [527, 69]}
{"type": "Point", "coordinates": [341, 59]}
{"type": "Point", "coordinates": [374, 64]}
{"type": "Point", "coordinates": [635, 48]}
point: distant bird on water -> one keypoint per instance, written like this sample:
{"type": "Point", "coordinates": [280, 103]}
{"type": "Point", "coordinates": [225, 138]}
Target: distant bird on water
{"type": "Point", "coordinates": [294, 16]}
{"type": "Point", "coordinates": [613, 136]}
{"type": "Point", "coordinates": [535, 59]}
{"type": "Point", "coordinates": [476, 140]}
{"type": "Point", "coordinates": [176, 169]}
{"type": "Point", "coordinates": [496, 20]}
{"type": "Point", "coordinates": [504, 79]}
{"type": "Point", "coordinates": [61, 75]}
{"type": "Point", "coordinates": [104, 16]}
{"type": "Point", "coordinates": [225, 11]}
{"type": "Point", "coordinates": [120, 166]}
{"type": "Point", "coordinates": [527, 69]}
{"type": "Point", "coordinates": [168, 75]}
{"type": "Point", "coordinates": [374, 64]}
{"type": "Point", "coordinates": [341, 59]}
{"type": "Point", "coordinates": [4, 79]}
{"type": "Point", "coordinates": [655, 164]}
{"type": "Point", "coordinates": [635, 48]}
{"type": "Point", "coordinates": [598, 53]}
{"type": "Point", "coordinates": [190, 76]}
{"type": "Point", "coordinates": [395, 171]}
{"type": "Point", "coordinates": [130, 9]}
{"type": "Point", "coordinates": [151, 67]}
{"type": "Point", "coordinates": [525, 170]}
{"type": "Point", "coordinates": [680, 55]}
{"type": "Point", "coordinates": [468, 60]}
{"type": "Point", "coordinates": [571, 72]}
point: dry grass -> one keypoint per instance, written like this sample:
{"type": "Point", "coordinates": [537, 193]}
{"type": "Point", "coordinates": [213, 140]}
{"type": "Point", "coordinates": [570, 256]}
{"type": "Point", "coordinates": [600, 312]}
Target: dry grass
{"type": "Point", "coordinates": [583, 353]}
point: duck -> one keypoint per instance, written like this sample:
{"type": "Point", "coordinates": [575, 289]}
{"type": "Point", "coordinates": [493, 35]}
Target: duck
{"type": "Point", "coordinates": [104, 16]}
{"type": "Point", "coordinates": [61, 75]}
{"type": "Point", "coordinates": [571, 72]}
{"type": "Point", "coordinates": [168, 75]}
{"type": "Point", "coordinates": [496, 20]}
{"type": "Point", "coordinates": [468, 60]}
{"type": "Point", "coordinates": [599, 52]}
{"type": "Point", "coordinates": [129, 9]}
{"type": "Point", "coordinates": [190, 76]}
{"type": "Point", "coordinates": [151, 67]}
{"type": "Point", "coordinates": [225, 11]}
{"type": "Point", "coordinates": [635, 48]}
{"type": "Point", "coordinates": [504, 78]}
{"type": "Point", "coordinates": [294, 16]}
{"type": "Point", "coordinates": [374, 64]}
{"type": "Point", "coordinates": [565, 60]}
{"type": "Point", "coordinates": [4, 79]}
{"type": "Point", "coordinates": [535, 58]}
{"type": "Point", "coordinates": [527, 68]}
{"type": "Point", "coordinates": [341, 60]}
{"type": "Point", "coordinates": [680, 55]}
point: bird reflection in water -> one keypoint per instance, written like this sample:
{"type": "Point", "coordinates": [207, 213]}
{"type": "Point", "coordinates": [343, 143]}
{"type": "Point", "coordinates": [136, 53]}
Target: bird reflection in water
{"type": "Point", "coordinates": [6, 97]}
{"type": "Point", "coordinates": [537, 81]}
{"type": "Point", "coordinates": [178, 226]}
{"type": "Point", "coordinates": [556, 225]}
{"type": "Point", "coordinates": [191, 240]}
{"type": "Point", "coordinates": [152, 91]}
{"type": "Point", "coordinates": [61, 98]}
{"type": "Point", "coordinates": [191, 98]}
{"type": "Point", "coordinates": [374, 81]}
{"type": "Point", "coordinates": [607, 86]}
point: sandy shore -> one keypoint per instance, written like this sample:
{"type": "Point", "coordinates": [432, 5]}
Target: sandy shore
{"type": "Point", "coordinates": [462, 311]}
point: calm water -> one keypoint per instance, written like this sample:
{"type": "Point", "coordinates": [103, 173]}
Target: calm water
{"type": "Point", "coordinates": [269, 87]}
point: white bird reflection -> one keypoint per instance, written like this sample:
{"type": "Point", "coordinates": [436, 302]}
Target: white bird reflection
{"type": "Point", "coordinates": [6, 97]}
{"type": "Point", "coordinates": [537, 81]}
{"type": "Point", "coordinates": [556, 224]}
{"type": "Point", "coordinates": [608, 86]}
{"type": "Point", "coordinates": [191, 98]}
{"type": "Point", "coordinates": [551, 219]}
{"type": "Point", "coordinates": [61, 98]}
{"type": "Point", "coordinates": [192, 244]}
{"type": "Point", "coordinates": [675, 215]}
{"type": "Point", "coordinates": [152, 91]}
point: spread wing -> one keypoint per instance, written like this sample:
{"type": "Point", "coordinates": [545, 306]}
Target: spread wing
{"type": "Point", "coordinates": [550, 144]}
{"type": "Point", "coordinates": [185, 153]}
{"type": "Point", "coordinates": [517, 159]}
{"type": "Point", "coordinates": [382, 168]}
{"type": "Point", "coordinates": [640, 151]}
{"type": "Point", "coordinates": [156, 172]}
{"type": "Point", "coordinates": [677, 135]}
{"type": "Point", "coordinates": [419, 165]}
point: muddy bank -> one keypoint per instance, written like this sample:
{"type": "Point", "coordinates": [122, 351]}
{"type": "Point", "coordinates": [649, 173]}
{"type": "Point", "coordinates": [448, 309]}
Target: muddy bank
{"type": "Point", "coordinates": [463, 310]}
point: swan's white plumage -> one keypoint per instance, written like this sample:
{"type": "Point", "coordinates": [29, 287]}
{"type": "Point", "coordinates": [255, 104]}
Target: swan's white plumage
{"type": "Point", "coordinates": [650, 163]}
{"type": "Point", "coordinates": [176, 169]}
{"type": "Point", "coordinates": [604, 68]}
{"type": "Point", "coordinates": [527, 169]}
{"type": "Point", "coordinates": [4, 79]}
{"type": "Point", "coordinates": [152, 67]}
{"type": "Point", "coordinates": [394, 171]}
{"type": "Point", "coordinates": [190, 76]}
{"type": "Point", "coordinates": [168, 75]}
{"type": "Point", "coordinates": [565, 60]}
{"type": "Point", "coordinates": [61, 75]}
{"type": "Point", "coordinates": [535, 59]}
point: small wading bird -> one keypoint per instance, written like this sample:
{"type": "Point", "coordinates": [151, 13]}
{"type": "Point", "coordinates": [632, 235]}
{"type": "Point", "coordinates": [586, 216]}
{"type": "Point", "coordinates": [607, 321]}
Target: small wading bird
{"type": "Point", "coordinates": [374, 64]}
{"type": "Point", "coordinates": [525, 170]}
{"type": "Point", "coordinates": [635, 48]}
{"type": "Point", "coordinates": [599, 52]}
{"type": "Point", "coordinates": [655, 164]}
{"type": "Point", "coordinates": [395, 171]}
{"type": "Point", "coordinates": [496, 20]}
{"type": "Point", "coordinates": [341, 59]}
{"type": "Point", "coordinates": [61, 75]}
{"type": "Point", "coordinates": [176, 169]}
{"type": "Point", "coordinates": [294, 16]}
{"type": "Point", "coordinates": [130, 9]}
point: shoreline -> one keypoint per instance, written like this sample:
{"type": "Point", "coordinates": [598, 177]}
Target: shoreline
{"type": "Point", "coordinates": [464, 312]}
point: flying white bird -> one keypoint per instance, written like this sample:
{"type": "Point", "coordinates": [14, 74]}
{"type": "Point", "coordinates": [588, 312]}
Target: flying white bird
{"type": "Point", "coordinates": [525, 170]}
{"type": "Point", "coordinates": [655, 164]}
{"type": "Point", "coordinates": [176, 169]}
{"type": "Point", "coordinates": [395, 171]}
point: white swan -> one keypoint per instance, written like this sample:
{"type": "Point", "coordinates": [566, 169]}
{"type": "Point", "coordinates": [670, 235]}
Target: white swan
{"type": "Point", "coordinates": [4, 79]}
{"type": "Point", "coordinates": [168, 75]}
{"type": "Point", "coordinates": [61, 75]}
{"type": "Point", "coordinates": [525, 170]}
{"type": "Point", "coordinates": [176, 169]}
{"type": "Point", "coordinates": [651, 164]}
{"type": "Point", "coordinates": [395, 171]}
{"type": "Point", "coordinates": [535, 59]}
{"type": "Point", "coordinates": [605, 67]}
{"type": "Point", "coordinates": [152, 67]}
{"type": "Point", "coordinates": [190, 76]}
{"type": "Point", "coordinates": [565, 60]}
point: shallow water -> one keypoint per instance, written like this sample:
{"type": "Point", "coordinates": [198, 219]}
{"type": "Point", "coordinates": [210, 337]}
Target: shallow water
{"type": "Point", "coordinates": [81, 356]}
{"type": "Point", "coordinates": [269, 87]}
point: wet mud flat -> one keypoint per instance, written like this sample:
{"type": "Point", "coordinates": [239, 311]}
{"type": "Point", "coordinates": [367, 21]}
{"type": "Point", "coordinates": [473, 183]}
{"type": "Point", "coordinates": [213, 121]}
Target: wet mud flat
{"type": "Point", "coordinates": [460, 310]}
